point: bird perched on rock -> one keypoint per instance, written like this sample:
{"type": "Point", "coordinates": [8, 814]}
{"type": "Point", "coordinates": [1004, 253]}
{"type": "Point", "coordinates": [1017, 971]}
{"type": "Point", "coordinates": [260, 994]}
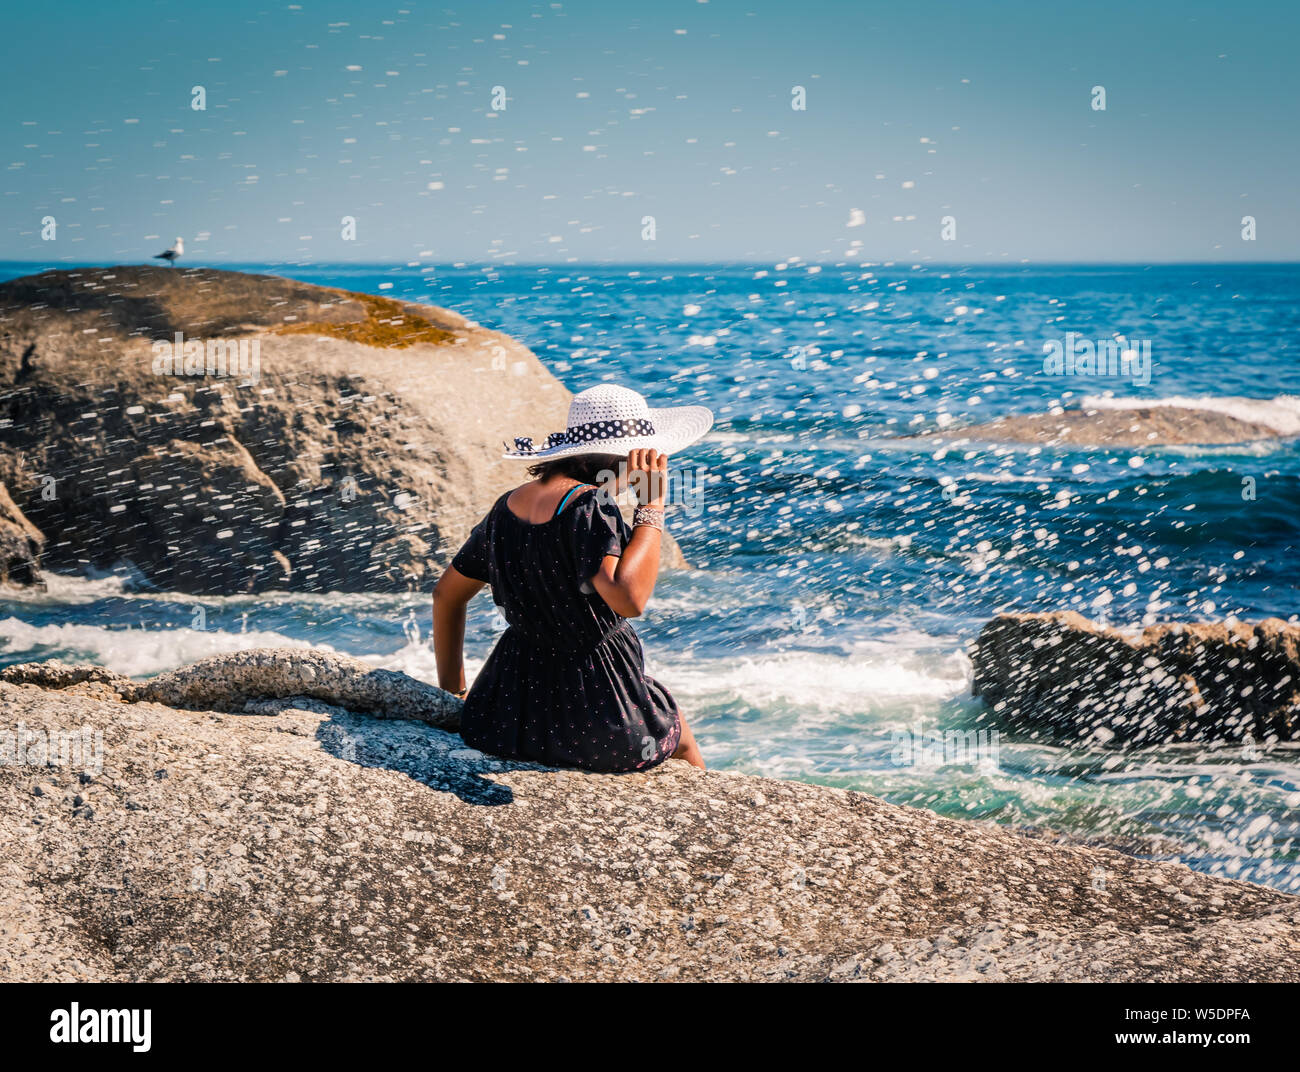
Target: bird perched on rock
{"type": "Point", "coordinates": [170, 255]}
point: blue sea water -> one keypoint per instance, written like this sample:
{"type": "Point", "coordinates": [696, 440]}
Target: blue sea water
{"type": "Point", "coordinates": [844, 567]}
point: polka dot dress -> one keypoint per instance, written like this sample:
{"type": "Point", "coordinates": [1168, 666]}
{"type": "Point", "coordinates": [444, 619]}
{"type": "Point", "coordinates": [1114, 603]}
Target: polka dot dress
{"type": "Point", "coordinates": [565, 684]}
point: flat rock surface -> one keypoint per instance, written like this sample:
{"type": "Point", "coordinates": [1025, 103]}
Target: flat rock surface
{"type": "Point", "coordinates": [307, 841]}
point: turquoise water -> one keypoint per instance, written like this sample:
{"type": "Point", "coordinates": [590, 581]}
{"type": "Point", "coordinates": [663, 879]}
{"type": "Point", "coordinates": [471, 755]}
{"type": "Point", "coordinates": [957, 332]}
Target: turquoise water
{"type": "Point", "coordinates": [844, 572]}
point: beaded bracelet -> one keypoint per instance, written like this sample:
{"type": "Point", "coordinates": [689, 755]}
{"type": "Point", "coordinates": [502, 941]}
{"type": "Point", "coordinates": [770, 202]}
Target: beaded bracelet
{"type": "Point", "coordinates": [648, 515]}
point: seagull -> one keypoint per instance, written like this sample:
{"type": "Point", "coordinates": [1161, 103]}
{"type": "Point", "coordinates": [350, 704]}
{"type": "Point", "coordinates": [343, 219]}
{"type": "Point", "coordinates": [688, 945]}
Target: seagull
{"type": "Point", "coordinates": [170, 255]}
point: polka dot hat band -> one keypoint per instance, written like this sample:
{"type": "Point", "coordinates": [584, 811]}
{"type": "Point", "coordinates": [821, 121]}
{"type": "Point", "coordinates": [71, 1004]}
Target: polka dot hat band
{"type": "Point", "coordinates": [608, 419]}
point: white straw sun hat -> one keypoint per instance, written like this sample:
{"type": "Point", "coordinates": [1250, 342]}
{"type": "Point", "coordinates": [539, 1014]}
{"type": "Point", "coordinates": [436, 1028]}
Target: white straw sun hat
{"type": "Point", "coordinates": [608, 419]}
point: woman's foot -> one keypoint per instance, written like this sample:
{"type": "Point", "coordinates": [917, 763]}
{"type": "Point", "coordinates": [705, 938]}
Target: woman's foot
{"type": "Point", "coordinates": [687, 749]}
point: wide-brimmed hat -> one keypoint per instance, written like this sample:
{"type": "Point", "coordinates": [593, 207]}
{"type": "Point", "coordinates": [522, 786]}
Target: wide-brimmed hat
{"type": "Point", "coordinates": [608, 419]}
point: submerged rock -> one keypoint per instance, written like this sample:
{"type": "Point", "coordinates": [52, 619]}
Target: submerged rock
{"type": "Point", "coordinates": [1147, 426]}
{"type": "Point", "coordinates": [1058, 677]}
{"type": "Point", "coordinates": [219, 432]}
{"type": "Point", "coordinates": [321, 844]}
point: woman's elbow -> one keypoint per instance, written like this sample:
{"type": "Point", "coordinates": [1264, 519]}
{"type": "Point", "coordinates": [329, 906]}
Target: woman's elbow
{"type": "Point", "coordinates": [440, 587]}
{"type": "Point", "coordinates": [633, 605]}
{"type": "Point", "coordinates": [623, 603]}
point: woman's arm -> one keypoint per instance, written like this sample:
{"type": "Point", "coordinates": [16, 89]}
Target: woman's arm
{"type": "Point", "coordinates": [451, 595]}
{"type": "Point", "coordinates": [626, 582]}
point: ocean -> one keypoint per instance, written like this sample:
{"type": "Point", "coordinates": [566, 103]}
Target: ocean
{"type": "Point", "coordinates": [844, 568]}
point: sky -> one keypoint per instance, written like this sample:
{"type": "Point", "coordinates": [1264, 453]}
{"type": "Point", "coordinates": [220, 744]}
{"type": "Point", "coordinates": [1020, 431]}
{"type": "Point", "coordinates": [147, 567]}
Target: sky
{"type": "Point", "coordinates": [677, 111]}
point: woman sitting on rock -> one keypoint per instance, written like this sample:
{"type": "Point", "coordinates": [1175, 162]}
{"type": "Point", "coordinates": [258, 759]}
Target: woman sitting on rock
{"type": "Point", "coordinates": [566, 684]}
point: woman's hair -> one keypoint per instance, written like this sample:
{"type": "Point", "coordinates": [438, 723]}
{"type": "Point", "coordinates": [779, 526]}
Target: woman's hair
{"type": "Point", "coordinates": [585, 467]}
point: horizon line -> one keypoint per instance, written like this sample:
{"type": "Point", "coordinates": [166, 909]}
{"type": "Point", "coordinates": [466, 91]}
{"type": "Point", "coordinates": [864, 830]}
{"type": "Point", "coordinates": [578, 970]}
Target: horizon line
{"type": "Point", "coordinates": [796, 262]}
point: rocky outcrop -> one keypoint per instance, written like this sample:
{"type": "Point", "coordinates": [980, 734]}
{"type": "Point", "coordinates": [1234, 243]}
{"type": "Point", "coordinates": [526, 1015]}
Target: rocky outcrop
{"type": "Point", "coordinates": [317, 439]}
{"type": "Point", "coordinates": [20, 544]}
{"type": "Point", "coordinates": [309, 842]}
{"type": "Point", "coordinates": [1138, 427]}
{"type": "Point", "coordinates": [1060, 678]}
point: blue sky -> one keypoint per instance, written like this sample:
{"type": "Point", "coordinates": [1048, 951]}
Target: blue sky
{"type": "Point", "coordinates": [915, 111]}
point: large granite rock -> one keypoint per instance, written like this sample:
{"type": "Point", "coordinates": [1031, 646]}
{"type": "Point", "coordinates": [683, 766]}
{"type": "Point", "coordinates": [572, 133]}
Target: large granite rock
{"type": "Point", "coordinates": [1058, 677]}
{"type": "Point", "coordinates": [354, 454]}
{"type": "Point", "coordinates": [309, 842]}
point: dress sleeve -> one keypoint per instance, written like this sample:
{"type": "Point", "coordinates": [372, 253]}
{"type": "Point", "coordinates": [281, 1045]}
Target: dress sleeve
{"type": "Point", "coordinates": [472, 559]}
{"type": "Point", "coordinates": [598, 530]}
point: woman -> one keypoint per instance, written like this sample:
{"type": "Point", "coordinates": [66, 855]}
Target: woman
{"type": "Point", "coordinates": [565, 684]}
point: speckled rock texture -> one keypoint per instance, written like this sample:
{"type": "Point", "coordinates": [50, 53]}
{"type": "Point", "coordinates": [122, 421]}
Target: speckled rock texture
{"type": "Point", "coordinates": [226, 681]}
{"type": "Point", "coordinates": [1058, 677]}
{"type": "Point", "coordinates": [357, 458]}
{"type": "Point", "coordinates": [234, 680]}
{"type": "Point", "coordinates": [310, 842]}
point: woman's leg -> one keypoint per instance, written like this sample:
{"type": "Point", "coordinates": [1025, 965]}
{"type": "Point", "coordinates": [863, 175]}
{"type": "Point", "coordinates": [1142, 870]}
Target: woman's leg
{"type": "Point", "coordinates": [687, 749]}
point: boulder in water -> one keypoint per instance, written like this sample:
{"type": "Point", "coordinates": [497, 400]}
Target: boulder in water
{"type": "Point", "coordinates": [1058, 677]}
{"type": "Point", "coordinates": [216, 432]}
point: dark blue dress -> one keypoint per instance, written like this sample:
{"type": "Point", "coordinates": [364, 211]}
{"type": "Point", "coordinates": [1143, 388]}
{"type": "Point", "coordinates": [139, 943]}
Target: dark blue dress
{"type": "Point", "coordinates": [565, 684]}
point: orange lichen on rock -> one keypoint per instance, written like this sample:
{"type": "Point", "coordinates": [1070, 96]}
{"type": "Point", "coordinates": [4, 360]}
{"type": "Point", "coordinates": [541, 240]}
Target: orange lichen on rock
{"type": "Point", "coordinates": [387, 323]}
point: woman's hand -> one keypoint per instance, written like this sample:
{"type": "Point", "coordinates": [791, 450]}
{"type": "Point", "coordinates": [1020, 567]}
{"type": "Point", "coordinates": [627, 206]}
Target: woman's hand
{"type": "Point", "coordinates": [647, 476]}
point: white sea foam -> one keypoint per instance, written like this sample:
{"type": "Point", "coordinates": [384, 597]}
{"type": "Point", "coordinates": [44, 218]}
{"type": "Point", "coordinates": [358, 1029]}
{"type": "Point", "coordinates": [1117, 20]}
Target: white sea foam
{"type": "Point", "coordinates": [1281, 413]}
{"type": "Point", "coordinates": [828, 683]}
{"type": "Point", "coordinates": [811, 680]}
{"type": "Point", "coordinates": [133, 652]}
{"type": "Point", "coordinates": [68, 590]}
{"type": "Point", "coordinates": [417, 660]}
{"type": "Point", "coordinates": [825, 682]}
